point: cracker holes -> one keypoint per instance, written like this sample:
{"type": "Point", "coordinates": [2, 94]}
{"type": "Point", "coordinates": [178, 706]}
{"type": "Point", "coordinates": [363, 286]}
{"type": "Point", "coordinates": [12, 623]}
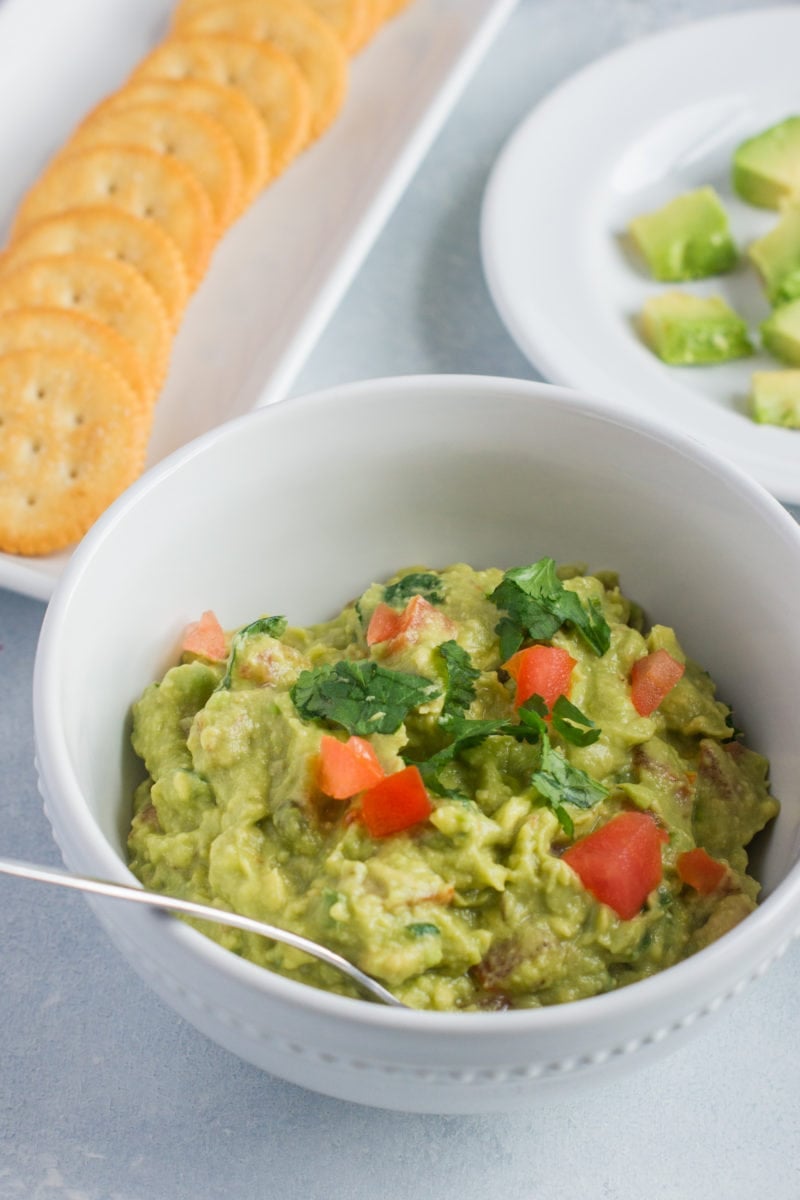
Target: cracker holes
{"type": "Point", "coordinates": [78, 419]}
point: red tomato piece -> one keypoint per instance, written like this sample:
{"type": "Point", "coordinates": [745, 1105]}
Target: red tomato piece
{"type": "Point", "coordinates": [544, 671]}
{"type": "Point", "coordinates": [206, 638]}
{"type": "Point", "coordinates": [403, 628]}
{"type": "Point", "coordinates": [700, 870]}
{"type": "Point", "coordinates": [396, 803]}
{"type": "Point", "coordinates": [383, 625]}
{"type": "Point", "coordinates": [652, 678]}
{"type": "Point", "coordinates": [620, 863]}
{"type": "Point", "coordinates": [346, 768]}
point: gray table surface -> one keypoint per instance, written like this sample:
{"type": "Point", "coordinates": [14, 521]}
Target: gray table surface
{"type": "Point", "coordinates": [105, 1093]}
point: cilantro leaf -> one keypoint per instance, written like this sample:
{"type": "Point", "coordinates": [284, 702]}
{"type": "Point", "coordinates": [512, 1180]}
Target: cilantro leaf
{"type": "Point", "coordinates": [274, 626]}
{"type": "Point", "coordinates": [461, 676]}
{"type": "Point", "coordinates": [536, 604]}
{"type": "Point", "coordinates": [532, 715]}
{"type": "Point", "coordinates": [571, 723]}
{"type": "Point", "coordinates": [362, 697]}
{"type": "Point", "coordinates": [465, 733]}
{"type": "Point", "coordinates": [416, 583]}
{"type": "Point", "coordinates": [559, 783]}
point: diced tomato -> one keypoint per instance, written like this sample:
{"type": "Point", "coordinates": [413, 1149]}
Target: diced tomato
{"type": "Point", "coordinates": [396, 803]}
{"type": "Point", "coordinates": [403, 628]}
{"type": "Point", "coordinates": [700, 870]}
{"type": "Point", "coordinates": [544, 671]}
{"type": "Point", "coordinates": [652, 678]}
{"type": "Point", "coordinates": [347, 768]}
{"type": "Point", "coordinates": [206, 638]}
{"type": "Point", "coordinates": [620, 863]}
{"type": "Point", "coordinates": [383, 625]}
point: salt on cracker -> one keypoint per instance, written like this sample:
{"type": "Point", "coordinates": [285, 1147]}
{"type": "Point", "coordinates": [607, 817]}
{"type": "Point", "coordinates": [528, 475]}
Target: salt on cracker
{"type": "Point", "coordinates": [197, 141]}
{"type": "Point", "coordinates": [231, 108]}
{"type": "Point", "coordinates": [269, 78]}
{"type": "Point", "coordinates": [72, 438]}
{"type": "Point", "coordinates": [347, 18]}
{"type": "Point", "coordinates": [62, 329]}
{"type": "Point", "coordinates": [110, 292]}
{"type": "Point", "coordinates": [111, 233]}
{"type": "Point", "coordinates": [295, 28]}
{"type": "Point", "coordinates": [139, 181]}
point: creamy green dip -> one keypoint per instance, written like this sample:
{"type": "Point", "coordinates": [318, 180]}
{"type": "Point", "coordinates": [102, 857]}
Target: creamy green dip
{"type": "Point", "coordinates": [474, 906]}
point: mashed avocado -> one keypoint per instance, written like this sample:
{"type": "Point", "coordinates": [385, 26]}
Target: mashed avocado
{"type": "Point", "coordinates": [549, 802]}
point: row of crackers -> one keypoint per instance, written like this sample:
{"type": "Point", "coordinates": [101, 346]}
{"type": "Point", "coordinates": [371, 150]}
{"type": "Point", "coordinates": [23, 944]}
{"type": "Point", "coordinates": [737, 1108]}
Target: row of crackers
{"type": "Point", "coordinates": [109, 243]}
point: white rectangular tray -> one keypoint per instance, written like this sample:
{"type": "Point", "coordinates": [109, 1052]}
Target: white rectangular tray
{"type": "Point", "coordinates": [279, 273]}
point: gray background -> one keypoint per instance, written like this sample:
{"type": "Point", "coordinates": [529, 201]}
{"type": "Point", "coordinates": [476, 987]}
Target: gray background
{"type": "Point", "coordinates": [104, 1093]}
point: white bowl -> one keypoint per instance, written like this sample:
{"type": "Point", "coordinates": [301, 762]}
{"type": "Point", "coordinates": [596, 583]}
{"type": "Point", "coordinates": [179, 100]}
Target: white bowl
{"type": "Point", "coordinates": [297, 507]}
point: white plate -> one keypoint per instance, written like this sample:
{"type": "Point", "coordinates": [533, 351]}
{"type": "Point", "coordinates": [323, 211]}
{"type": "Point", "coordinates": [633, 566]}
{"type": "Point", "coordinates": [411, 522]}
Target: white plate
{"type": "Point", "coordinates": [280, 272]}
{"type": "Point", "coordinates": [623, 136]}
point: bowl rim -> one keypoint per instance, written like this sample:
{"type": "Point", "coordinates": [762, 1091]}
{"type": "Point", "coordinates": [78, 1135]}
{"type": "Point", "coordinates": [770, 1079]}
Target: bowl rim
{"type": "Point", "coordinates": [754, 944]}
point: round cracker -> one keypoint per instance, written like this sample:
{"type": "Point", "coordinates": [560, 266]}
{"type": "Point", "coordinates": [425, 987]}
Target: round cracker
{"type": "Point", "coordinates": [197, 141]}
{"type": "Point", "coordinates": [111, 233]}
{"type": "Point", "coordinates": [73, 438]}
{"type": "Point", "coordinates": [139, 181]}
{"type": "Point", "coordinates": [347, 18]}
{"type": "Point", "coordinates": [48, 329]}
{"type": "Point", "coordinates": [294, 28]}
{"type": "Point", "coordinates": [265, 75]}
{"type": "Point", "coordinates": [380, 11]}
{"type": "Point", "coordinates": [110, 292]}
{"type": "Point", "coordinates": [229, 107]}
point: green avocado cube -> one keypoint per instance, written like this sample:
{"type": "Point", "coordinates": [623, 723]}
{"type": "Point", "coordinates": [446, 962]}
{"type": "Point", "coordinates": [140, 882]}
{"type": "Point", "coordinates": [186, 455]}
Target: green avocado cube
{"type": "Point", "coordinates": [776, 256]}
{"type": "Point", "coordinates": [686, 330]}
{"type": "Point", "coordinates": [766, 168]}
{"type": "Point", "coordinates": [775, 398]}
{"type": "Point", "coordinates": [689, 238]}
{"type": "Point", "coordinates": [780, 333]}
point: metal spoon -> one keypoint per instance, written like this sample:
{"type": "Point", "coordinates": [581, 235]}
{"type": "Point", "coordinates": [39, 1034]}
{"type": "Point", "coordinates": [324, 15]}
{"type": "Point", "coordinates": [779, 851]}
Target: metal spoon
{"type": "Point", "coordinates": [121, 891]}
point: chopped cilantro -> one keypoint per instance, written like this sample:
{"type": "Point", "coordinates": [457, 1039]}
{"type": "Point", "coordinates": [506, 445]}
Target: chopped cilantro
{"type": "Point", "coordinates": [559, 783]}
{"type": "Point", "coordinates": [465, 733]}
{"type": "Point", "coordinates": [416, 583]}
{"type": "Point", "coordinates": [274, 626]}
{"type": "Point", "coordinates": [536, 604]}
{"type": "Point", "coordinates": [422, 929]}
{"type": "Point", "coordinates": [556, 780]}
{"type": "Point", "coordinates": [571, 723]}
{"type": "Point", "coordinates": [362, 697]}
{"type": "Point", "coordinates": [461, 676]}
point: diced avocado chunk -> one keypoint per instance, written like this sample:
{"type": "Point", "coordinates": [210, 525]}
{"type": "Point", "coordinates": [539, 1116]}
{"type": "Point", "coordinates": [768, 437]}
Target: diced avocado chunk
{"type": "Point", "coordinates": [689, 238]}
{"type": "Point", "coordinates": [776, 256]}
{"type": "Point", "coordinates": [775, 398]}
{"type": "Point", "coordinates": [766, 168]}
{"type": "Point", "coordinates": [781, 333]}
{"type": "Point", "coordinates": [686, 330]}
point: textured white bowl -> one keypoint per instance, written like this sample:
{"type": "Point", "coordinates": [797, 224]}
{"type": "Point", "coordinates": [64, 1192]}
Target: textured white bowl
{"type": "Point", "coordinates": [296, 508]}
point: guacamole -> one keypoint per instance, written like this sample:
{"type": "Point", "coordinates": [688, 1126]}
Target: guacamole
{"type": "Point", "coordinates": [488, 789]}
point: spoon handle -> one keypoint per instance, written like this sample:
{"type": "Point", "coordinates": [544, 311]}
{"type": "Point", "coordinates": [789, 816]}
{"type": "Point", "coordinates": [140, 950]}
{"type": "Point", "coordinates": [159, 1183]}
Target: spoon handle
{"type": "Point", "coordinates": [122, 891]}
